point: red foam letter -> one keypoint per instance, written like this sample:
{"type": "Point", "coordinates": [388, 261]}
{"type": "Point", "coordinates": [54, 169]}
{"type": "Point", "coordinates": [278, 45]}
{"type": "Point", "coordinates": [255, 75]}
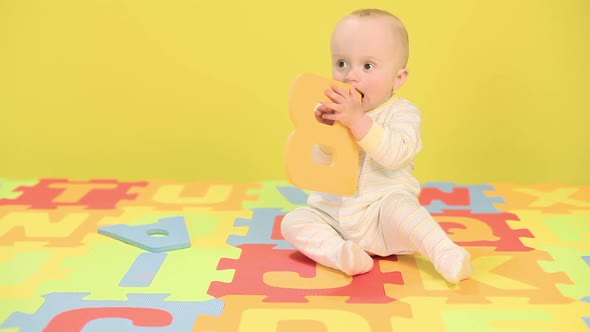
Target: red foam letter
{"type": "Point", "coordinates": [74, 320]}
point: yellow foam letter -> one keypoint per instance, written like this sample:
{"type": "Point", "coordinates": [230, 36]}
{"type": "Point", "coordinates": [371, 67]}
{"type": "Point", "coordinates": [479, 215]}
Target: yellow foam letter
{"type": "Point", "coordinates": [340, 176]}
{"type": "Point", "coordinates": [264, 320]}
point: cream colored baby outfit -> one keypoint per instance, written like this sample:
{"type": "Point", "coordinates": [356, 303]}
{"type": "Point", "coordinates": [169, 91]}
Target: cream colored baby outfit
{"type": "Point", "coordinates": [384, 217]}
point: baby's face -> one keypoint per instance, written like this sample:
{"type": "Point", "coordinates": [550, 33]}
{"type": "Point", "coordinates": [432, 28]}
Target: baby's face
{"type": "Point", "coordinates": [364, 56]}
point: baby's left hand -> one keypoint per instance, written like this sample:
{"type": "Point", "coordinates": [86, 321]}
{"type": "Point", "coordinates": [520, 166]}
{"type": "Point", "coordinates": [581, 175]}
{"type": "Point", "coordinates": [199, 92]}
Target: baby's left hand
{"type": "Point", "coordinates": [346, 105]}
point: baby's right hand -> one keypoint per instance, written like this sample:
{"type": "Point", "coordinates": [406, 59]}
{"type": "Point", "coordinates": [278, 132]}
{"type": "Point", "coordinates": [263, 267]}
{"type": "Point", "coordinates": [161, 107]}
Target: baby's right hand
{"type": "Point", "coordinates": [319, 115]}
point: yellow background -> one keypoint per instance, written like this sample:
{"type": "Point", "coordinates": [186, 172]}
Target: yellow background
{"type": "Point", "coordinates": [197, 90]}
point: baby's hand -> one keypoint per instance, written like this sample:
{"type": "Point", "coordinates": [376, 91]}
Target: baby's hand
{"type": "Point", "coordinates": [319, 113]}
{"type": "Point", "coordinates": [344, 106]}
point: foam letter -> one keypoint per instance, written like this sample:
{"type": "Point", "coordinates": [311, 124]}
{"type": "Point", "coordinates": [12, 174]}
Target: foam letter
{"type": "Point", "coordinates": [333, 320]}
{"type": "Point", "coordinates": [339, 177]}
{"type": "Point", "coordinates": [74, 320]}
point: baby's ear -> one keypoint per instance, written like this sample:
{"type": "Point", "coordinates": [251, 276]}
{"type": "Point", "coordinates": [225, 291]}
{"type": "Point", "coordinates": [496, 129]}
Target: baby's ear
{"type": "Point", "coordinates": [400, 78]}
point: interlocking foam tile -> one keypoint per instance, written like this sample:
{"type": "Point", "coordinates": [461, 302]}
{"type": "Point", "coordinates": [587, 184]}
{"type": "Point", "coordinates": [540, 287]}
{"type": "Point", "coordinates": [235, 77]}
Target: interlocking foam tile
{"type": "Point", "coordinates": [530, 247]}
{"type": "Point", "coordinates": [58, 227]}
{"type": "Point", "coordinates": [294, 195]}
{"type": "Point", "coordinates": [587, 313]}
{"type": "Point", "coordinates": [468, 229]}
{"type": "Point", "coordinates": [70, 312]}
{"type": "Point", "coordinates": [548, 198]}
{"type": "Point", "coordinates": [443, 196]}
{"type": "Point", "coordinates": [570, 262]}
{"type": "Point", "coordinates": [186, 274]}
{"type": "Point", "coordinates": [279, 273]}
{"type": "Point", "coordinates": [496, 274]}
{"type": "Point", "coordinates": [93, 194]}
{"type": "Point", "coordinates": [272, 194]}
{"type": "Point", "coordinates": [7, 187]}
{"type": "Point", "coordinates": [177, 196]}
{"type": "Point", "coordinates": [318, 313]}
{"type": "Point", "coordinates": [500, 314]}
{"type": "Point", "coordinates": [143, 270]}
{"type": "Point", "coordinates": [27, 265]}
{"type": "Point", "coordinates": [571, 230]}
{"type": "Point", "coordinates": [264, 228]}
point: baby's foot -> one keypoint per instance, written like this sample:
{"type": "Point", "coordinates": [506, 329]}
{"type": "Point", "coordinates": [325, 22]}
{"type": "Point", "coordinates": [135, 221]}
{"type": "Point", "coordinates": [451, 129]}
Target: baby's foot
{"type": "Point", "coordinates": [454, 265]}
{"type": "Point", "coordinates": [353, 260]}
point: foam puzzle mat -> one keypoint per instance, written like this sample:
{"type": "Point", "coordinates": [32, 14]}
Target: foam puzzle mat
{"type": "Point", "coordinates": [109, 255]}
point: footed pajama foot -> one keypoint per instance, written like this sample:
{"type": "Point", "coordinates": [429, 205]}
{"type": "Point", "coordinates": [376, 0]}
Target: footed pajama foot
{"type": "Point", "coordinates": [353, 260]}
{"type": "Point", "coordinates": [454, 265]}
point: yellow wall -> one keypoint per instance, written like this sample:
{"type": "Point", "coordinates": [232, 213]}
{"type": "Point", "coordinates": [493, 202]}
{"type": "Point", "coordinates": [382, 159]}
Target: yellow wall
{"type": "Point", "coordinates": [196, 90]}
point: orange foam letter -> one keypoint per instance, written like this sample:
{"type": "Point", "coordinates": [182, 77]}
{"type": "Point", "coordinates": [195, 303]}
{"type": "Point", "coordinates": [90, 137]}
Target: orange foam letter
{"type": "Point", "coordinates": [340, 176]}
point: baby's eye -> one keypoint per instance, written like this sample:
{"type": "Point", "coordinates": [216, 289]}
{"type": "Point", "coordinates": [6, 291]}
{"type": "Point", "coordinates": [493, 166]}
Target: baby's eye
{"type": "Point", "coordinates": [368, 66]}
{"type": "Point", "coordinates": [341, 63]}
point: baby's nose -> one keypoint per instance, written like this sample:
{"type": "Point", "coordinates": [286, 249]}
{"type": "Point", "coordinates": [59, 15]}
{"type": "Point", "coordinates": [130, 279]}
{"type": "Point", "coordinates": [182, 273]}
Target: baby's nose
{"type": "Point", "coordinates": [351, 78]}
{"type": "Point", "coordinates": [352, 75]}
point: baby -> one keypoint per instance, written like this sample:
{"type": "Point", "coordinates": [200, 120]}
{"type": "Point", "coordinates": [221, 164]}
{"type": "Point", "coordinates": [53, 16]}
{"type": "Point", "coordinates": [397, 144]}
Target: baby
{"type": "Point", "coordinates": [369, 50]}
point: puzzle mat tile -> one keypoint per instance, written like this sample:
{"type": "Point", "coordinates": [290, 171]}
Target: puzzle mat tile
{"type": "Point", "coordinates": [215, 260]}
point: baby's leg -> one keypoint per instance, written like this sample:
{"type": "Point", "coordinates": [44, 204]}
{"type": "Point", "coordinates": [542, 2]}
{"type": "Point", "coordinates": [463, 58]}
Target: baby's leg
{"type": "Point", "coordinates": [313, 236]}
{"type": "Point", "coordinates": [408, 226]}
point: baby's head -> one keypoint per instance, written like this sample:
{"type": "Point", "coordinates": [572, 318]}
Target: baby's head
{"type": "Point", "coordinates": [369, 51]}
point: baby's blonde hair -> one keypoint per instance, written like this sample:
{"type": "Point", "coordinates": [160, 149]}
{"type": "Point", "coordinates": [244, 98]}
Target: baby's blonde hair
{"type": "Point", "coordinates": [399, 27]}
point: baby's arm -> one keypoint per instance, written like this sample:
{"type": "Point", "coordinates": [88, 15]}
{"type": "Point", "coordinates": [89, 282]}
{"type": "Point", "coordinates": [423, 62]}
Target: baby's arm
{"type": "Point", "coordinates": [397, 142]}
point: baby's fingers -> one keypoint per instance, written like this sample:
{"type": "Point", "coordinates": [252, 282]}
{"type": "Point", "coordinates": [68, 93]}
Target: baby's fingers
{"type": "Point", "coordinates": [334, 96]}
{"type": "Point", "coordinates": [339, 90]}
{"type": "Point", "coordinates": [321, 117]}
